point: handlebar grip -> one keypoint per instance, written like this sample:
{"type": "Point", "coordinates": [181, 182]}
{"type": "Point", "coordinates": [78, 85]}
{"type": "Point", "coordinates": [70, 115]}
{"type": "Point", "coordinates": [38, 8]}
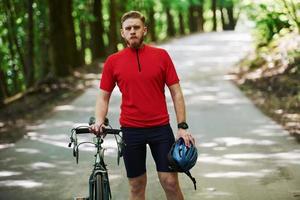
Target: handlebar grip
{"type": "Point", "coordinates": [111, 131]}
{"type": "Point", "coordinates": [85, 130]}
{"type": "Point", "coordinates": [82, 130]}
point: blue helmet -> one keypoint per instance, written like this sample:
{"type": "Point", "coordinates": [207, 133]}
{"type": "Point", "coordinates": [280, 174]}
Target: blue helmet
{"type": "Point", "coordinates": [181, 157]}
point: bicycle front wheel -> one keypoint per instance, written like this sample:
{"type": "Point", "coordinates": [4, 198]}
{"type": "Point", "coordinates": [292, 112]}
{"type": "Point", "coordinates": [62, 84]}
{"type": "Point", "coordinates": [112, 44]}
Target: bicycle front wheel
{"type": "Point", "coordinates": [99, 187]}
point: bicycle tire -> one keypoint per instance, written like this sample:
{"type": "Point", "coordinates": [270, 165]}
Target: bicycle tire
{"type": "Point", "coordinates": [99, 187]}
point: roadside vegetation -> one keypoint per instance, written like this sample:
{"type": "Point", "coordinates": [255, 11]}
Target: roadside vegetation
{"type": "Point", "coordinates": [270, 75]}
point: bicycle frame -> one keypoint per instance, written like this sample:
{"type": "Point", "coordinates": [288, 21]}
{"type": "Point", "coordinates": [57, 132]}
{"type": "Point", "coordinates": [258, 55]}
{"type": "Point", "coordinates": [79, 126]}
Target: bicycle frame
{"type": "Point", "coordinates": [99, 168]}
{"type": "Point", "coordinates": [99, 172]}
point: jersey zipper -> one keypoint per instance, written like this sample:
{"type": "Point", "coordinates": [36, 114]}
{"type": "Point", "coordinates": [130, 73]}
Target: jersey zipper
{"type": "Point", "coordinates": [138, 60]}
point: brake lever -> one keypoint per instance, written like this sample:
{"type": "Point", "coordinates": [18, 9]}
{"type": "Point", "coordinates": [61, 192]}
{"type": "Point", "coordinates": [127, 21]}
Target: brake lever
{"type": "Point", "coordinates": [71, 139]}
{"type": "Point", "coordinates": [74, 152]}
{"type": "Point", "coordinates": [77, 154]}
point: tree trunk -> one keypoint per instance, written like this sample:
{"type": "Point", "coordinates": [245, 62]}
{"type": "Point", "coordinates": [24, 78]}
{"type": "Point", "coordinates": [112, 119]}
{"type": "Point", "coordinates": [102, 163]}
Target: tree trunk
{"type": "Point", "coordinates": [44, 44]}
{"type": "Point", "coordinates": [59, 41]}
{"type": "Point", "coordinates": [3, 88]}
{"type": "Point", "coordinates": [15, 73]}
{"type": "Point", "coordinates": [30, 47]}
{"type": "Point", "coordinates": [181, 24]}
{"type": "Point", "coordinates": [170, 22]}
{"type": "Point", "coordinates": [3, 85]}
{"type": "Point", "coordinates": [113, 37]}
{"type": "Point", "coordinates": [71, 36]}
{"type": "Point", "coordinates": [12, 40]}
{"type": "Point", "coordinates": [214, 10]}
{"type": "Point", "coordinates": [192, 19]}
{"type": "Point", "coordinates": [223, 18]}
{"type": "Point", "coordinates": [82, 27]}
{"type": "Point", "coordinates": [232, 20]}
{"type": "Point", "coordinates": [200, 18]}
{"type": "Point", "coordinates": [151, 23]}
{"type": "Point", "coordinates": [97, 31]}
{"type": "Point", "coordinates": [122, 7]}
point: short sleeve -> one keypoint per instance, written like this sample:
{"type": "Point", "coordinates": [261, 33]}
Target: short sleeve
{"type": "Point", "coordinates": [107, 82]}
{"type": "Point", "coordinates": [171, 75]}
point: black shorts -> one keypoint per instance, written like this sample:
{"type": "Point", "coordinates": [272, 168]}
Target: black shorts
{"type": "Point", "coordinates": [160, 139]}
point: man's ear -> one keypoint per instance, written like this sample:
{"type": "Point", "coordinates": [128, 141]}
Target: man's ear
{"type": "Point", "coordinates": [122, 33]}
{"type": "Point", "coordinates": [145, 31]}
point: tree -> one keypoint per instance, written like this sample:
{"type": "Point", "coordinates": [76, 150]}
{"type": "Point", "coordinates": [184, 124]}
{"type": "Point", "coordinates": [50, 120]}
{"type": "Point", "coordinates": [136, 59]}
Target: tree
{"type": "Point", "coordinates": [151, 24]}
{"type": "Point", "coordinates": [3, 88]}
{"type": "Point", "coordinates": [181, 24]}
{"type": "Point", "coordinates": [14, 46]}
{"type": "Point", "coordinates": [29, 69]}
{"type": "Point", "coordinates": [227, 14]}
{"type": "Point", "coordinates": [150, 19]}
{"type": "Point", "coordinates": [181, 7]}
{"type": "Point", "coordinates": [83, 41]}
{"type": "Point", "coordinates": [214, 11]}
{"type": "Point", "coordinates": [42, 51]}
{"type": "Point", "coordinates": [170, 22]}
{"type": "Point", "coordinates": [193, 25]}
{"type": "Point", "coordinates": [200, 17]}
{"type": "Point", "coordinates": [62, 39]}
{"type": "Point", "coordinates": [71, 36]}
{"type": "Point", "coordinates": [113, 37]}
{"type": "Point", "coordinates": [97, 31]}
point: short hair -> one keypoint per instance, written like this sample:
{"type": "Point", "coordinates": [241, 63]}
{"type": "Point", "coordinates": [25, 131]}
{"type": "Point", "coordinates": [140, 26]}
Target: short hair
{"type": "Point", "coordinates": [133, 14]}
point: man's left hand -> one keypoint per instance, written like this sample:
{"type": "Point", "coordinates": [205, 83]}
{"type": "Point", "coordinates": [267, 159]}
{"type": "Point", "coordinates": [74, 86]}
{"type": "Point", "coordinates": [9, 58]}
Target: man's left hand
{"type": "Point", "coordinates": [187, 137]}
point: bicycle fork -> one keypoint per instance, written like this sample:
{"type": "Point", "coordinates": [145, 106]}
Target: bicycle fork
{"type": "Point", "coordinates": [106, 192]}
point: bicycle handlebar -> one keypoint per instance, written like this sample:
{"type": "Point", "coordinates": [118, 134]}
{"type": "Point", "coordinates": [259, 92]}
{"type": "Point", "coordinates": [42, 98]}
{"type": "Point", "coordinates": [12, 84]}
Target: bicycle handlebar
{"type": "Point", "coordinates": [86, 130]}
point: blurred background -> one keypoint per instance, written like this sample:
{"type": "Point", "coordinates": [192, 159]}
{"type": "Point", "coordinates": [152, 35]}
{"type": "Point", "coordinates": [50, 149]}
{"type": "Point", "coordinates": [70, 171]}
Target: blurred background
{"type": "Point", "coordinates": [47, 46]}
{"type": "Point", "coordinates": [51, 58]}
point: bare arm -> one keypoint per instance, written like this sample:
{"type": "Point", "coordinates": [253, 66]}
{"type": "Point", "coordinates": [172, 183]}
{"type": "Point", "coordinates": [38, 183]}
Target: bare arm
{"type": "Point", "coordinates": [102, 103]}
{"type": "Point", "coordinates": [178, 101]}
{"type": "Point", "coordinates": [179, 106]}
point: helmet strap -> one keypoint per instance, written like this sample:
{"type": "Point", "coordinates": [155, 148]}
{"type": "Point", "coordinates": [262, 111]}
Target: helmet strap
{"type": "Point", "coordinates": [192, 178]}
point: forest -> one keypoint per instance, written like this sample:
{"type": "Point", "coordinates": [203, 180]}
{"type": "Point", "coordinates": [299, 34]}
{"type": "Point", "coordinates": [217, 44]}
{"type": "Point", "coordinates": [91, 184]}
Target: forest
{"type": "Point", "coordinates": [42, 41]}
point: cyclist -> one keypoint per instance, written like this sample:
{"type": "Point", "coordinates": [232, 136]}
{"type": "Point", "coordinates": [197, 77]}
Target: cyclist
{"type": "Point", "coordinates": [141, 73]}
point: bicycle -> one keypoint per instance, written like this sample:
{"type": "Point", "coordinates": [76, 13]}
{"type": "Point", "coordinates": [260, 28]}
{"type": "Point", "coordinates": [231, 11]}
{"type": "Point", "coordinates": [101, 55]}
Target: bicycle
{"type": "Point", "coordinates": [99, 188]}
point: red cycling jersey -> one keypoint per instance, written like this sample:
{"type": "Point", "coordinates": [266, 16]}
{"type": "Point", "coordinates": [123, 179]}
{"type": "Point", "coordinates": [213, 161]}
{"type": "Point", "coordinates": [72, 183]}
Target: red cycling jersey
{"type": "Point", "coordinates": [141, 75]}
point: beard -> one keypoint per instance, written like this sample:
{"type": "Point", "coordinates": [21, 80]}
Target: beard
{"type": "Point", "coordinates": [136, 43]}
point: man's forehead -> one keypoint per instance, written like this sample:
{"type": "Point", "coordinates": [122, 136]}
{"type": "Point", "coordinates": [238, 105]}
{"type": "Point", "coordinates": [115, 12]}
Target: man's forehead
{"type": "Point", "coordinates": [132, 22]}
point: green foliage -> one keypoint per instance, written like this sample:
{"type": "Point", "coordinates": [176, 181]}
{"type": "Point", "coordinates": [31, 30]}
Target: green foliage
{"type": "Point", "coordinates": [12, 31]}
{"type": "Point", "coordinates": [272, 18]}
{"type": "Point", "coordinates": [14, 21]}
{"type": "Point", "coordinates": [81, 11]}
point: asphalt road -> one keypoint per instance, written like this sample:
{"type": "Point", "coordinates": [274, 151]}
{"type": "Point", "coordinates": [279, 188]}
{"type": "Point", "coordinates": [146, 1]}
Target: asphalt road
{"type": "Point", "coordinates": [243, 155]}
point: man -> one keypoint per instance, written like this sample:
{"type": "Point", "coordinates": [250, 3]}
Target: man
{"type": "Point", "coordinates": [141, 73]}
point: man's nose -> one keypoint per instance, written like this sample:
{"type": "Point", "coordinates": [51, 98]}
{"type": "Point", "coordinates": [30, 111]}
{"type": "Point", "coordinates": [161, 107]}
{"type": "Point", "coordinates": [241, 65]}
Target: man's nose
{"type": "Point", "coordinates": [132, 30]}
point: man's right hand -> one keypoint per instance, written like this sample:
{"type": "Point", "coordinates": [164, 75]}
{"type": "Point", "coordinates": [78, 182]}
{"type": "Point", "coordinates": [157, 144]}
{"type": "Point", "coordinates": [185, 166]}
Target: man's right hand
{"type": "Point", "coordinates": [97, 128]}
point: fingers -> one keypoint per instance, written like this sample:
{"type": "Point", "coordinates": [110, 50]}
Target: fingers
{"type": "Point", "coordinates": [188, 138]}
{"type": "Point", "coordinates": [192, 139]}
{"type": "Point", "coordinates": [96, 129]}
